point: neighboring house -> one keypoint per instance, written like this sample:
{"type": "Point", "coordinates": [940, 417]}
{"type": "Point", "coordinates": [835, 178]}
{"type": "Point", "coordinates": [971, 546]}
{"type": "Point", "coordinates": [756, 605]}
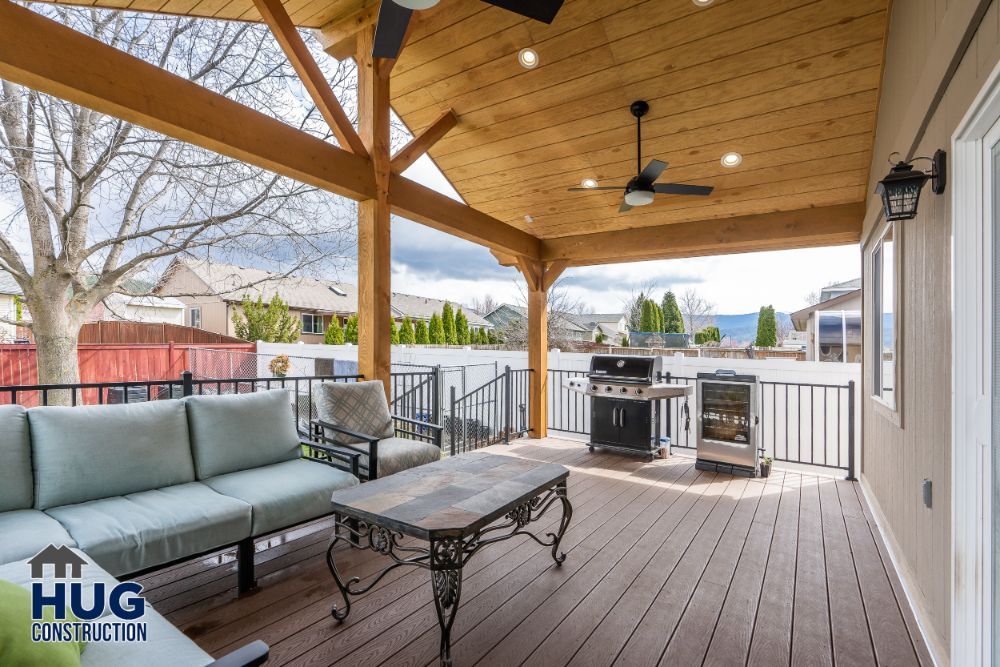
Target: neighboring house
{"type": "Point", "coordinates": [9, 292]}
{"type": "Point", "coordinates": [566, 325]}
{"type": "Point", "coordinates": [221, 288]}
{"type": "Point", "coordinates": [839, 289]}
{"type": "Point", "coordinates": [611, 326]}
{"type": "Point", "coordinates": [144, 308]}
{"type": "Point", "coordinates": [832, 327]}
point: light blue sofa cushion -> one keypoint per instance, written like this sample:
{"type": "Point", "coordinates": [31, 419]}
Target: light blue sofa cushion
{"type": "Point", "coordinates": [23, 533]}
{"type": "Point", "coordinates": [141, 530]}
{"type": "Point", "coordinates": [100, 451]}
{"type": "Point", "coordinates": [241, 431]}
{"type": "Point", "coordinates": [16, 483]}
{"type": "Point", "coordinates": [284, 493]}
{"type": "Point", "coordinates": [166, 646]}
{"type": "Point", "coordinates": [19, 573]}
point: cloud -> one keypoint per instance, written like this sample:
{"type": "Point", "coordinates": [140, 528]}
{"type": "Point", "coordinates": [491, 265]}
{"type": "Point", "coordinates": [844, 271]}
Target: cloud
{"type": "Point", "coordinates": [432, 254]}
{"type": "Point", "coordinates": [598, 279]}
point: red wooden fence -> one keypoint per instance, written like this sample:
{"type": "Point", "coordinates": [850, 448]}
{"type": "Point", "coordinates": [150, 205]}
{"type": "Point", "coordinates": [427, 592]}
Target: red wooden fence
{"type": "Point", "coordinates": [110, 363]}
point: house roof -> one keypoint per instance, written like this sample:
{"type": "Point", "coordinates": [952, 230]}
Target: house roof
{"type": "Point", "coordinates": [568, 321]}
{"type": "Point", "coordinates": [302, 293]}
{"type": "Point", "coordinates": [801, 317]}
{"type": "Point", "coordinates": [8, 285]}
{"type": "Point", "coordinates": [593, 319]}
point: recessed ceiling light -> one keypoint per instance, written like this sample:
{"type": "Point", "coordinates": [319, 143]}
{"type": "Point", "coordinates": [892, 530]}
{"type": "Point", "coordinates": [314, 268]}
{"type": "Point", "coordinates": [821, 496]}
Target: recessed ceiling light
{"type": "Point", "coordinates": [528, 218]}
{"type": "Point", "coordinates": [731, 159]}
{"type": "Point", "coordinates": [528, 58]}
{"type": "Point", "coordinates": [702, 3]}
{"type": "Point", "coordinates": [416, 4]}
{"type": "Point", "coordinates": [588, 183]}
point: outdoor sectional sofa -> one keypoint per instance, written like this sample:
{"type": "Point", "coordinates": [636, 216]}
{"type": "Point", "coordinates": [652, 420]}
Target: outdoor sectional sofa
{"type": "Point", "coordinates": [138, 486]}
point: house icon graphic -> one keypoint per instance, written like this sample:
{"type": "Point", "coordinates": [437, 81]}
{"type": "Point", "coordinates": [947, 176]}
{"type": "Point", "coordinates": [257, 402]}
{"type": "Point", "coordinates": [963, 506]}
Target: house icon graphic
{"type": "Point", "coordinates": [60, 558]}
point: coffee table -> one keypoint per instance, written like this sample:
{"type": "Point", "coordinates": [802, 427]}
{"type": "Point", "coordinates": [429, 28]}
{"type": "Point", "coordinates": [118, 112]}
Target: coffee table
{"type": "Point", "coordinates": [454, 506]}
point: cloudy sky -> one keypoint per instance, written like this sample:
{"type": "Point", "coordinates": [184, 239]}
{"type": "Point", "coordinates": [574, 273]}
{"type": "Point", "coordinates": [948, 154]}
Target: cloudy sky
{"type": "Point", "coordinates": [432, 263]}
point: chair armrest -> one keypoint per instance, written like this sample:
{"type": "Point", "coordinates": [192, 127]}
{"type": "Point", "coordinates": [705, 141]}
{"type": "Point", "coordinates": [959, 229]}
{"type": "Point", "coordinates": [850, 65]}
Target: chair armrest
{"type": "Point", "coordinates": [372, 444]}
{"type": "Point", "coordinates": [253, 654]}
{"type": "Point", "coordinates": [340, 429]}
{"type": "Point", "coordinates": [349, 456]}
{"type": "Point", "coordinates": [417, 422]}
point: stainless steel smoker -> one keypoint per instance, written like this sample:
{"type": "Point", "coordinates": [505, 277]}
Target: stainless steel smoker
{"type": "Point", "coordinates": [727, 423]}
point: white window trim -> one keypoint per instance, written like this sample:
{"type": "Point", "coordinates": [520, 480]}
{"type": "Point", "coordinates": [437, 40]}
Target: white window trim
{"type": "Point", "coordinates": [195, 309]}
{"type": "Point", "coordinates": [971, 381]}
{"type": "Point", "coordinates": [890, 411]}
{"type": "Point", "coordinates": [314, 316]}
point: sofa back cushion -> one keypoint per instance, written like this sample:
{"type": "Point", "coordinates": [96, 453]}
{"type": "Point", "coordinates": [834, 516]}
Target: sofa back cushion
{"type": "Point", "coordinates": [99, 451]}
{"type": "Point", "coordinates": [16, 482]}
{"type": "Point", "coordinates": [359, 407]}
{"type": "Point", "coordinates": [241, 431]}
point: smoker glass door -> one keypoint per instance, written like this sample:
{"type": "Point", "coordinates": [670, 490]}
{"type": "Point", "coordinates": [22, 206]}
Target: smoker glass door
{"type": "Point", "coordinates": [725, 412]}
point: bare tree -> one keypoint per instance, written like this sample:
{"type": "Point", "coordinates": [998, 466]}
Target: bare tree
{"type": "Point", "coordinates": [101, 201]}
{"type": "Point", "coordinates": [783, 328]}
{"type": "Point", "coordinates": [632, 306]}
{"type": "Point", "coordinates": [484, 305]}
{"type": "Point", "coordinates": [698, 312]}
{"type": "Point", "coordinates": [561, 305]}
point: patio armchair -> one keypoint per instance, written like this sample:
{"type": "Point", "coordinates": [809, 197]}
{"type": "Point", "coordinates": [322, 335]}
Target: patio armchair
{"type": "Point", "coordinates": [354, 417]}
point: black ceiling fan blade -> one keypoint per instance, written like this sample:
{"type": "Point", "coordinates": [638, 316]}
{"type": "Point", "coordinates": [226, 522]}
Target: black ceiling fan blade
{"type": "Point", "coordinates": [681, 189]}
{"type": "Point", "coordinates": [600, 187]}
{"type": "Point", "coordinates": [540, 10]}
{"type": "Point", "coordinates": [652, 171]}
{"type": "Point", "coordinates": [624, 208]}
{"type": "Point", "coordinates": [390, 29]}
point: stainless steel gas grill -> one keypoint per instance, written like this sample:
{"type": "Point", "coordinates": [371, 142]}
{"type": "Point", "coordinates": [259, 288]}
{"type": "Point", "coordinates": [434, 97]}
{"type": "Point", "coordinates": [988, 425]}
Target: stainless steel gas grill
{"type": "Point", "coordinates": [625, 395]}
{"type": "Point", "coordinates": [727, 423]}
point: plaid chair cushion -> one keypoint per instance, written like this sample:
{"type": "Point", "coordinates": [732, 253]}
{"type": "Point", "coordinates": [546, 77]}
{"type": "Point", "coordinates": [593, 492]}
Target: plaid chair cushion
{"type": "Point", "coordinates": [357, 406]}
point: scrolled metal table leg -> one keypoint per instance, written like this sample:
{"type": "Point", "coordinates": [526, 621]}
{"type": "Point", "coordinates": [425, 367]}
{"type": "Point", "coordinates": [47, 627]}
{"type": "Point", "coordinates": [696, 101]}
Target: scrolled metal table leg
{"type": "Point", "coordinates": [338, 614]}
{"type": "Point", "coordinates": [446, 579]}
{"type": "Point", "coordinates": [567, 508]}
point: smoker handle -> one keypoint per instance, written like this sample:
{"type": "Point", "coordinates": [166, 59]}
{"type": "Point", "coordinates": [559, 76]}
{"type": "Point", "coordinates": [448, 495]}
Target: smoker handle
{"type": "Point", "coordinates": [614, 416]}
{"type": "Point", "coordinates": [621, 417]}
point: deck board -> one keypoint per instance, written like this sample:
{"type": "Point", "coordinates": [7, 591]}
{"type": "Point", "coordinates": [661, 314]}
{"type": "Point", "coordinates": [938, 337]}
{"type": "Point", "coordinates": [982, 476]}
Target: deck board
{"type": "Point", "coordinates": [666, 564]}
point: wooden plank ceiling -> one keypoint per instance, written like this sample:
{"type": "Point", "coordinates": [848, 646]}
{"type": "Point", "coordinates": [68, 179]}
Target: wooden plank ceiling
{"type": "Point", "coordinates": [792, 85]}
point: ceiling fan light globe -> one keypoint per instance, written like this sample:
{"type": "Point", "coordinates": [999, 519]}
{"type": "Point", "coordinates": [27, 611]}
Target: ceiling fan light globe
{"type": "Point", "coordinates": [639, 197]}
{"type": "Point", "coordinates": [416, 4]}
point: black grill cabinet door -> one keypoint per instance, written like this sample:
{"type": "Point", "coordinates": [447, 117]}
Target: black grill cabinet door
{"type": "Point", "coordinates": [603, 420]}
{"type": "Point", "coordinates": [635, 422]}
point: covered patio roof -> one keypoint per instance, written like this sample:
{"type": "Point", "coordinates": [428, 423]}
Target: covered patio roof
{"type": "Point", "coordinates": [792, 85]}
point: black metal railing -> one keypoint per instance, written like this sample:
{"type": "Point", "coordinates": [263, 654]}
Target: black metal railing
{"type": "Point", "coordinates": [800, 422]}
{"type": "Point", "coordinates": [416, 395]}
{"type": "Point", "coordinates": [492, 413]}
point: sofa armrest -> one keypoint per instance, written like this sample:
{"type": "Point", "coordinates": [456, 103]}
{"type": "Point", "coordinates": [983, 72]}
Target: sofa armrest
{"type": "Point", "coordinates": [253, 654]}
{"type": "Point", "coordinates": [348, 456]}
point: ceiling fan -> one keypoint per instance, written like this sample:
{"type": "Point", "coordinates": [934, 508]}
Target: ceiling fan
{"type": "Point", "coordinates": [641, 190]}
{"type": "Point", "coordinates": [394, 17]}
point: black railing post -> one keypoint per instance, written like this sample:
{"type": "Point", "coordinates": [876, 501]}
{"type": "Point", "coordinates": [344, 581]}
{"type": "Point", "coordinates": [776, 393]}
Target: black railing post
{"type": "Point", "coordinates": [436, 402]}
{"type": "Point", "coordinates": [850, 432]}
{"type": "Point", "coordinates": [187, 383]}
{"type": "Point", "coordinates": [508, 400]}
{"type": "Point", "coordinates": [451, 424]}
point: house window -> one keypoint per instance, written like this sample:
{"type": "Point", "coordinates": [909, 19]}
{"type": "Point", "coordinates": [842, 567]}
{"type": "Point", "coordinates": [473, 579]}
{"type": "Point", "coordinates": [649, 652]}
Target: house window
{"type": "Point", "coordinates": [839, 336]}
{"type": "Point", "coordinates": [883, 368]}
{"type": "Point", "coordinates": [312, 323]}
{"type": "Point", "coordinates": [194, 317]}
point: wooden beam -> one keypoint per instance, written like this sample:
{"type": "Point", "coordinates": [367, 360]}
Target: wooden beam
{"type": "Point", "coordinates": [503, 258]}
{"type": "Point", "coordinates": [538, 356]}
{"type": "Point", "coordinates": [532, 272]}
{"type": "Point", "coordinates": [42, 54]}
{"type": "Point", "coordinates": [415, 202]}
{"type": "Point", "coordinates": [374, 225]}
{"type": "Point", "coordinates": [552, 272]}
{"type": "Point", "coordinates": [288, 37]}
{"type": "Point", "coordinates": [339, 37]}
{"type": "Point", "coordinates": [807, 228]}
{"type": "Point", "coordinates": [422, 143]}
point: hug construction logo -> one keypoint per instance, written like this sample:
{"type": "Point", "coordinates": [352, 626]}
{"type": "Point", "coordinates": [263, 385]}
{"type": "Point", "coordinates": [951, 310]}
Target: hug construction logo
{"type": "Point", "coordinates": [96, 614]}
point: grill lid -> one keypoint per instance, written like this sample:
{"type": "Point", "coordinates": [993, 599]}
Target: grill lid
{"type": "Point", "coordinates": [620, 368]}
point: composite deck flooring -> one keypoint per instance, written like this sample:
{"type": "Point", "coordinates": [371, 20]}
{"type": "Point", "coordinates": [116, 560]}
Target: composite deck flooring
{"type": "Point", "coordinates": [666, 565]}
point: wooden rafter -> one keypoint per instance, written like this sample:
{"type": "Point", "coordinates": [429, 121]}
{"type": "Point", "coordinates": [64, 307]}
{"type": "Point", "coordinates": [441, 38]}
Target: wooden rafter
{"type": "Point", "coordinates": [339, 37]}
{"type": "Point", "coordinates": [42, 54]}
{"type": "Point", "coordinates": [422, 143]}
{"type": "Point", "coordinates": [552, 272]}
{"type": "Point", "coordinates": [806, 228]}
{"type": "Point", "coordinates": [287, 35]}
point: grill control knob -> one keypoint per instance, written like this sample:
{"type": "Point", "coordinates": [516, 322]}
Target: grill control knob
{"type": "Point", "coordinates": [638, 392]}
{"type": "Point", "coordinates": [609, 388]}
{"type": "Point", "coordinates": [624, 390]}
{"type": "Point", "coordinates": [593, 387]}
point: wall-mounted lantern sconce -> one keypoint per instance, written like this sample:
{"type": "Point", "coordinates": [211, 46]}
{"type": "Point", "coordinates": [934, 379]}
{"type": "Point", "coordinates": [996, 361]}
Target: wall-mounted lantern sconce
{"type": "Point", "coordinates": [900, 189]}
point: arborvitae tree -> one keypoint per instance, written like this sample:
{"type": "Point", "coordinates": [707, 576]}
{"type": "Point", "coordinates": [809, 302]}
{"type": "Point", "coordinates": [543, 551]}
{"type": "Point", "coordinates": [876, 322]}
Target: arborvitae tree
{"type": "Point", "coordinates": [436, 330]}
{"type": "Point", "coordinates": [420, 336]}
{"type": "Point", "coordinates": [406, 333]}
{"type": "Point", "coordinates": [659, 316]}
{"type": "Point", "coordinates": [351, 330]}
{"type": "Point", "coordinates": [448, 323]}
{"type": "Point", "coordinates": [461, 328]}
{"type": "Point", "coordinates": [492, 337]}
{"type": "Point", "coordinates": [334, 333]}
{"type": "Point", "coordinates": [673, 321]}
{"type": "Point", "coordinates": [708, 335]}
{"type": "Point", "coordinates": [624, 340]}
{"type": "Point", "coordinates": [271, 322]}
{"type": "Point", "coordinates": [648, 320]}
{"type": "Point", "coordinates": [767, 328]}
{"type": "Point", "coordinates": [393, 333]}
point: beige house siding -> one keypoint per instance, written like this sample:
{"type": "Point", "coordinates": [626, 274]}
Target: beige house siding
{"type": "Point", "coordinates": [902, 449]}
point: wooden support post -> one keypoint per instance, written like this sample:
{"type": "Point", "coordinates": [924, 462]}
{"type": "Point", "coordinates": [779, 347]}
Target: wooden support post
{"type": "Point", "coordinates": [539, 277]}
{"type": "Point", "coordinates": [374, 273]}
